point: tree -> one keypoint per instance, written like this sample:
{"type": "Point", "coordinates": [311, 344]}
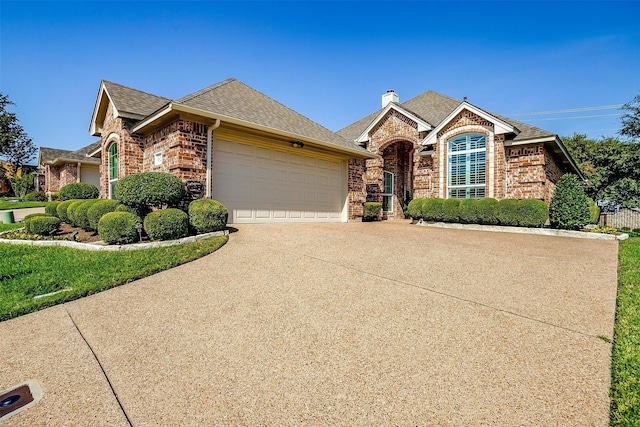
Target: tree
{"type": "Point", "coordinates": [15, 145]}
{"type": "Point", "coordinates": [631, 119]}
{"type": "Point", "coordinates": [569, 207]}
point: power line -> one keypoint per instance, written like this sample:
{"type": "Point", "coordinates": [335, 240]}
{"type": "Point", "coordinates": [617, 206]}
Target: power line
{"type": "Point", "coordinates": [575, 117]}
{"type": "Point", "coordinates": [568, 110]}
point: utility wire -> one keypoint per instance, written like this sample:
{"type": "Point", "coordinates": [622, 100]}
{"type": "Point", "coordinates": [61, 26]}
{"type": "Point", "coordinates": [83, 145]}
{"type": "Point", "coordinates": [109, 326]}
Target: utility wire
{"type": "Point", "coordinates": [568, 110]}
{"type": "Point", "coordinates": [574, 117]}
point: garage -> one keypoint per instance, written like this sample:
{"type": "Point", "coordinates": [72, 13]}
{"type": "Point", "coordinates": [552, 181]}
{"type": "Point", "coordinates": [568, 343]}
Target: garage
{"type": "Point", "coordinates": [260, 184]}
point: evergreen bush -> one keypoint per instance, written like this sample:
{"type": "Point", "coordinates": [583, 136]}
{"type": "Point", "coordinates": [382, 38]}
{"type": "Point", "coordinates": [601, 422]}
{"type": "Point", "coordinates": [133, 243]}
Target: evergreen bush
{"type": "Point", "coordinates": [594, 212]}
{"type": "Point", "coordinates": [414, 209]}
{"type": "Point", "coordinates": [78, 190]}
{"type": "Point", "coordinates": [71, 211]}
{"type": "Point", "coordinates": [488, 211]}
{"type": "Point", "coordinates": [118, 228]}
{"type": "Point", "coordinates": [371, 211]}
{"type": "Point", "coordinates": [149, 189]}
{"type": "Point", "coordinates": [62, 210]}
{"type": "Point", "coordinates": [508, 212]}
{"type": "Point", "coordinates": [80, 215]}
{"type": "Point", "coordinates": [99, 208]}
{"type": "Point", "coordinates": [468, 211]}
{"type": "Point", "coordinates": [35, 196]}
{"type": "Point", "coordinates": [166, 224]}
{"type": "Point", "coordinates": [451, 210]}
{"type": "Point", "coordinates": [569, 208]}
{"type": "Point", "coordinates": [431, 209]}
{"type": "Point", "coordinates": [41, 223]}
{"type": "Point", "coordinates": [52, 208]}
{"type": "Point", "coordinates": [532, 213]}
{"type": "Point", "coordinates": [206, 215]}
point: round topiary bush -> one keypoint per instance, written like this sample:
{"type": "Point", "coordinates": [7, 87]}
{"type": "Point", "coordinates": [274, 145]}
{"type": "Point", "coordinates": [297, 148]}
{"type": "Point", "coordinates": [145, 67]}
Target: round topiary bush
{"type": "Point", "coordinates": [206, 215]}
{"type": "Point", "coordinates": [508, 212]}
{"type": "Point", "coordinates": [80, 214]}
{"type": "Point", "coordinates": [488, 211]}
{"type": "Point", "coordinates": [71, 211]}
{"type": "Point", "coordinates": [468, 211]}
{"type": "Point", "coordinates": [569, 208]}
{"type": "Point", "coordinates": [450, 210]}
{"type": "Point", "coordinates": [78, 190]}
{"type": "Point", "coordinates": [532, 213]}
{"type": "Point", "coordinates": [41, 223]}
{"type": "Point", "coordinates": [414, 208]}
{"type": "Point", "coordinates": [166, 224]}
{"type": "Point", "coordinates": [52, 208]}
{"type": "Point", "coordinates": [99, 208]}
{"type": "Point", "coordinates": [149, 189]}
{"type": "Point", "coordinates": [118, 228]}
{"type": "Point", "coordinates": [62, 210]}
{"type": "Point", "coordinates": [594, 212]}
{"type": "Point", "coordinates": [431, 209]}
{"type": "Point", "coordinates": [35, 196]}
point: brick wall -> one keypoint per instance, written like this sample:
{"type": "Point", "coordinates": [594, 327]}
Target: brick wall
{"type": "Point", "coordinates": [356, 188]}
{"type": "Point", "coordinates": [525, 172]}
{"type": "Point", "coordinates": [553, 174]}
{"type": "Point", "coordinates": [57, 177]}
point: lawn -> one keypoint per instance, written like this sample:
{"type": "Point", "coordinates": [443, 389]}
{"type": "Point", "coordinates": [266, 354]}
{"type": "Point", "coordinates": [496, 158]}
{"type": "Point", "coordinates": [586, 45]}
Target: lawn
{"type": "Point", "coordinates": [9, 205]}
{"type": "Point", "coordinates": [625, 362]}
{"type": "Point", "coordinates": [28, 271]}
{"type": "Point", "coordinates": [8, 227]}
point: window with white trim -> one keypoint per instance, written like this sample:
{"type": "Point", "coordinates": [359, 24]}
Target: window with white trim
{"type": "Point", "coordinates": [113, 168]}
{"type": "Point", "coordinates": [387, 191]}
{"type": "Point", "coordinates": [467, 166]}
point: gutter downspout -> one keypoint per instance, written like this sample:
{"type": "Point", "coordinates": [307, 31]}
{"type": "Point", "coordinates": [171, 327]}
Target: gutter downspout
{"type": "Point", "coordinates": [210, 130]}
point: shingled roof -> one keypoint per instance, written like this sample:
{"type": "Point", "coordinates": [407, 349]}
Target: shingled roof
{"type": "Point", "coordinates": [434, 107]}
{"type": "Point", "coordinates": [133, 101]}
{"type": "Point", "coordinates": [55, 155]}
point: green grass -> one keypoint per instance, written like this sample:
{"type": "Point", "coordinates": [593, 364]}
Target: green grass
{"type": "Point", "coordinates": [625, 362]}
{"type": "Point", "coordinates": [4, 205]}
{"type": "Point", "coordinates": [8, 227]}
{"type": "Point", "coordinates": [27, 271]}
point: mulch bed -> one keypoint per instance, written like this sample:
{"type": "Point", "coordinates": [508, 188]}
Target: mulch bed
{"type": "Point", "coordinates": [82, 236]}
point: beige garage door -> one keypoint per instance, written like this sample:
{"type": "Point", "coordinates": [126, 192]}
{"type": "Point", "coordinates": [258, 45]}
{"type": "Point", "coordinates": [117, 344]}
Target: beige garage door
{"type": "Point", "coordinates": [259, 184]}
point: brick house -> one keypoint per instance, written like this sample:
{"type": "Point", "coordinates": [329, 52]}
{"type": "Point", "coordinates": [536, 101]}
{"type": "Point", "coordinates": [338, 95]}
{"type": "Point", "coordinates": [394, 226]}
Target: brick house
{"type": "Point", "coordinates": [62, 167]}
{"type": "Point", "coordinates": [268, 163]}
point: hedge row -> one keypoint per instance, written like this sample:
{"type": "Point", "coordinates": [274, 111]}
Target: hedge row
{"type": "Point", "coordinates": [512, 212]}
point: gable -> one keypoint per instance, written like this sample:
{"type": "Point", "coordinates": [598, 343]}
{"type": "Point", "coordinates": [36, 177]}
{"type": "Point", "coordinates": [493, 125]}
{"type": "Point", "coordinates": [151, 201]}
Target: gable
{"type": "Point", "coordinates": [401, 114]}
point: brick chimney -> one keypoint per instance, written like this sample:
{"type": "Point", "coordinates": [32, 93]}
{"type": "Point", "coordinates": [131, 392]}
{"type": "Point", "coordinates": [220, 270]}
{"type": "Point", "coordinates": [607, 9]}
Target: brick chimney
{"type": "Point", "coordinates": [389, 96]}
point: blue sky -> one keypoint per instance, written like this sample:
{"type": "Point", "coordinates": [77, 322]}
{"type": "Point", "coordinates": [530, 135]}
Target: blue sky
{"type": "Point", "coordinates": [330, 61]}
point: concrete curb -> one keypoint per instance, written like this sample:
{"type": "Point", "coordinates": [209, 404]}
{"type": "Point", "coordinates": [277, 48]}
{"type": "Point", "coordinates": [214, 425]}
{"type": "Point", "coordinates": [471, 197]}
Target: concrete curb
{"type": "Point", "coordinates": [101, 246]}
{"type": "Point", "coordinates": [524, 230]}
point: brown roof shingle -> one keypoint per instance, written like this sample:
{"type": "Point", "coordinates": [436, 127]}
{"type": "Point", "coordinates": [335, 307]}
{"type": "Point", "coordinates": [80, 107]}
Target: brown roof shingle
{"type": "Point", "coordinates": [48, 155]}
{"type": "Point", "coordinates": [133, 101]}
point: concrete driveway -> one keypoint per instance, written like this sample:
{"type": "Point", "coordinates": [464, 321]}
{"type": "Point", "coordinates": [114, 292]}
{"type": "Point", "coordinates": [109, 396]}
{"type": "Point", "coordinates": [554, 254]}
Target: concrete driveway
{"type": "Point", "coordinates": [335, 324]}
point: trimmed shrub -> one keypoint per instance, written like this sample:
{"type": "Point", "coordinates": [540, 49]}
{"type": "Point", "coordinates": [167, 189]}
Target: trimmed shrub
{"type": "Point", "coordinates": [54, 196]}
{"type": "Point", "coordinates": [468, 211]}
{"type": "Point", "coordinates": [450, 210]}
{"type": "Point", "coordinates": [62, 210]}
{"type": "Point", "coordinates": [532, 213]}
{"type": "Point", "coordinates": [206, 215]}
{"type": "Point", "coordinates": [569, 208]}
{"type": "Point", "coordinates": [431, 209]}
{"type": "Point", "coordinates": [508, 212]}
{"type": "Point", "coordinates": [81, 218]}
{"type": "Point", "coordinates": [488, 211]}
{"type": "Point", "coordinates": [41, 223]}
{"type": "Point", "coordinates": [371, 211]}
{"type": "Point", "coordinates": [166, 224]}
{"type": "Point", "coordinates": [125, 208]}
{"type": "Point", "coordinates": [118, 228]}
{"type": "Point", "coordinates": [155, 189]}
{"type": "Point", "coordinates": [99, 208]}
{"type": "Point", "coordinates": [78, 190]}
{"type": "Point", "coordinates": [33, 215]}
{"type": "Point", "coordinates": [414, 208]}
{"type": "Point", "coordinates": [71, 212]}
{"type": "Point", "coordinates": [52, 208]}
{"type": "Point", "coordinates": [594, 212]}
{"type": "Point", "coordinates": [35, 196]}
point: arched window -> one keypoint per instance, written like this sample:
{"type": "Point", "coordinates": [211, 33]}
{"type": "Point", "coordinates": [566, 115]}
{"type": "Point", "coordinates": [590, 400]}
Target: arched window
{"type": "Point", "coordinates": [113, 167]}
{"type": "Point", "coordinates": [466, 177]}
{"type": "Point", "coordinates": [387, 191]}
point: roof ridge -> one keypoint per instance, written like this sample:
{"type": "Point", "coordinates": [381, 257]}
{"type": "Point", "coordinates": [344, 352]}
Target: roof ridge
{"type": "Point", "coordinates": [434, 92]}
{"type": "Point", "coordinates": [137, 90]}
{"type": "Point", "coordinates": [202, 91]}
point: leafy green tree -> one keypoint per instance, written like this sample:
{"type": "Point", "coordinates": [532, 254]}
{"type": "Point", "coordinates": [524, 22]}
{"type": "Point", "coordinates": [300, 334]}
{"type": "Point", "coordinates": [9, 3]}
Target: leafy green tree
{"type": "Point", "coordinates": [21, 183]}
{"type": "Point", "coordinates": [631, 119]}
{"type": "Point", "coordinates": [15, 145]}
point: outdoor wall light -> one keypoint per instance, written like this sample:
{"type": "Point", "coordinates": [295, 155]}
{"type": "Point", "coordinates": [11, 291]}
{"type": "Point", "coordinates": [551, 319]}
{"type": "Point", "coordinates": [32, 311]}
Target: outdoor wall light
{"type": "Point", "coordinates": [297, 144]}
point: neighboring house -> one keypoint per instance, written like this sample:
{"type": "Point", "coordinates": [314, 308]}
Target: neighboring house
{"type": "Point", "coordinates": [268, 163]}
{"type": "Point", "coordinates": [62, 167]}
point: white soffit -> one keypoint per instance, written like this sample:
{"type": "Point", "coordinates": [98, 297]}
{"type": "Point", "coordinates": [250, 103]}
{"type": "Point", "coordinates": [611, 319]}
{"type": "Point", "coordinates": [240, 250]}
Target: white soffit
{"type": "Point", "coordinates": [422, 125]}
{"type": "Point", "coordinates": [500, 126]}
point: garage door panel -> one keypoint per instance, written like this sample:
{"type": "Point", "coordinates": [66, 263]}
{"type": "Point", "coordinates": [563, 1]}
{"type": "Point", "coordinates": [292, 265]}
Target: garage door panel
{"type": "Point", "coordinates": [258, 184]}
